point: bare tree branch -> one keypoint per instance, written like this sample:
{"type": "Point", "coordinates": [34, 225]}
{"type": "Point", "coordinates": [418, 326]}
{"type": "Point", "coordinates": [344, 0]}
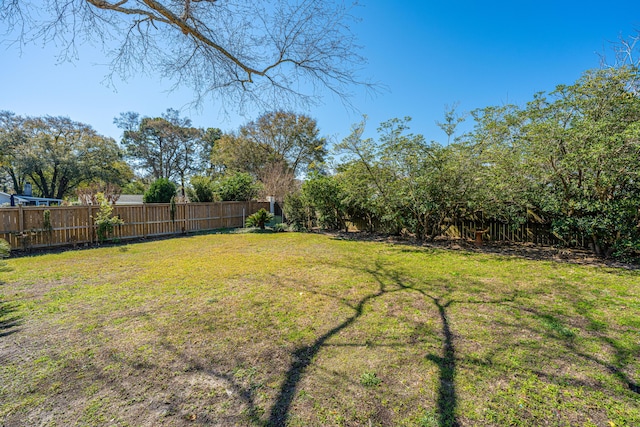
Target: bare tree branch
{"type": "Point", "coordinates": [266, 53]}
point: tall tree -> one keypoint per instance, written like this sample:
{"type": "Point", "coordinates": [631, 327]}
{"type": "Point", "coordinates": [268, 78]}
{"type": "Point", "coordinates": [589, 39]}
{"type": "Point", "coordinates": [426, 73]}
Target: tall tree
{"type": "Point", "coordinates": [209, 140]}
{"type": "Point", "coordinates": [279, 137]}
{"type": "Point", "coordinates": [452, 118]}
{"type": "Point", "coordinates": [269, 53]}
{"type": "Point", "coordinates": [57, 155]}
{"type": "Point", "coordinates": [165, 147]}
{"type": "Point", "coordinates": [289, 137]}
{"type": "Point", "coordinates": [12, 137]}
{"type": "Point", "coordinates": [506, 187]}
{"type": "Point", "coordinates": [234, 153]}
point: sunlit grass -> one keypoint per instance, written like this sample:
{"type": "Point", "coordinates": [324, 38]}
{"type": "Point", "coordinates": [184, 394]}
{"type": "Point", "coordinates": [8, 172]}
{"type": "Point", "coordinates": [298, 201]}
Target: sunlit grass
{"type": "Point", "coordinates": [298, 329]}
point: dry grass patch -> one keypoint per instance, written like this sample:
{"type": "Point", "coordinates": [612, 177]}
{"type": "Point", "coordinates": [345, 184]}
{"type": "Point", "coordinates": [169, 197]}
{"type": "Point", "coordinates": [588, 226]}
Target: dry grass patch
{"type": "Point", "coordinates": [296, 329]}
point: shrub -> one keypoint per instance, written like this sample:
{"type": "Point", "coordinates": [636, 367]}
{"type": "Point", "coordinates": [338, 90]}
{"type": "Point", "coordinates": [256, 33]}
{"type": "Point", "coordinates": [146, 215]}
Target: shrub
{"type": "Point", "coordinates": [134, 187]}
{"type": "Point", "coordinates": [202, 189]}
{"type": "Point", "coordinates": [47, 227]}
{"type": "Point", "coordinates": [259, 219]}
{"type": "Point", "coordinates": [238, 186]}
{"type": "Point", "coordinates": [296, 211]}
{"type": "Point", "coordinates": [280, 227]}
{"type": "Point", "coordinates": [160, 191]}
{"type": "Point", "coordinates": [325, 198]}
{"type": "Point", "coordinates": [4, 248]}
{"type": "Point", "coordinates": [104, 221]}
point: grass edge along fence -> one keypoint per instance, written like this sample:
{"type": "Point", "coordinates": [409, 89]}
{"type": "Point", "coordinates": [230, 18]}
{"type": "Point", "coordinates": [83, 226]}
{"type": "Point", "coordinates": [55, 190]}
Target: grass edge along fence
{"type": "Point", "coordinates": [25, 227]}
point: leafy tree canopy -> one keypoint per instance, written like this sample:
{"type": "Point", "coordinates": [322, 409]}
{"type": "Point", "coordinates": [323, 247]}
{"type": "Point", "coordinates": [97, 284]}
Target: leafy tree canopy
{"type": "Point", "coordinates": [57, 154]}
{"type": "Point", "coordinates": [237, 187]}
{"type": "Point", "coordinates": [160, 191]}
{"type": "Point", "coordinates": [278, 137]}
{"type": "Point", "coordinates": [166, 146]}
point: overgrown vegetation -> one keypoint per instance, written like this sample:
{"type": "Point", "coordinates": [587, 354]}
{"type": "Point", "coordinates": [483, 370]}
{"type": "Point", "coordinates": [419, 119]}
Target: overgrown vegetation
{"type": "Point", "coordinates": [239, 331]}
{"type": "Point", "coordinates": [568, 159]}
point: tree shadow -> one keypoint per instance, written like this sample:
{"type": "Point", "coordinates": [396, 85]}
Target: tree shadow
{"type": "Point", "coordinates": [447, 362]}
{"type": "Point", "coordinates": [621, 355]}
{"type": "Point", "coordinates": [388, 282]}
{"type": "Point", "coordinates": [245, 394]}
{"type": "Point", "coordinates": [9, 319]}
{"type": "Point", "coordinates": [447, 399]}
{"type": "Point", "coordinates": [302, 358]}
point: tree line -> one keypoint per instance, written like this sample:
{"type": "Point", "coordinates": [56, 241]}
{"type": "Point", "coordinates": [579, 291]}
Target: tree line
{"type": "Point", "coordinates": [568, 158]}
{"type": "Point", "coordinates": [65, 159]}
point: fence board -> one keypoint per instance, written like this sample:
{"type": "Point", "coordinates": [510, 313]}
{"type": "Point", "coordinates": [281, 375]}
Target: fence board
{"type": "Point", "coordinates": [23, 227]}
{"type": "Point", "coordinates": [500, 231]}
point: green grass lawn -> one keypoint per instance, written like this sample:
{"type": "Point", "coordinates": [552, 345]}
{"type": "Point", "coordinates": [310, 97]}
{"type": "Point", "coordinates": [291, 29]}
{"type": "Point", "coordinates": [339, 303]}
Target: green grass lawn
{"type": "Point", "coordinates": [306, 330]}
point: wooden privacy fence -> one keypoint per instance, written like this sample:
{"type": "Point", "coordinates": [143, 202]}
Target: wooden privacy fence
{"type": "Point", "coordinates": [24, 227]}
{"type": "Point", "coordinates": [497, 231]}
{"type": "Point", "coordinates": [530, 232]}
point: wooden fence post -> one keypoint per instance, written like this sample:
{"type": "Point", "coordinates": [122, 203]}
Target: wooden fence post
{"type": "Point", "coordinates": [185, 210]}
{"type": "Point", "coordinates": [89, 224]}
{"type": "Point", "coordinates": [20, 218]}
{"type": "Point", "coordinates": [144, 221]}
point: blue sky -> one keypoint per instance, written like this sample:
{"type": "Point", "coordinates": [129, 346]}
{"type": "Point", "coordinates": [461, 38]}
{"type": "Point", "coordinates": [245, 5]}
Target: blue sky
{"type": "Point", "coordinates": [428, 54]}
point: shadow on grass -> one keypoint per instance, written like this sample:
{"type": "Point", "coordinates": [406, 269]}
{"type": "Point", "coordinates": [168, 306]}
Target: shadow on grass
{"type": "Point", "coordinates": [302, 358]}
{"type": "Point", "coordinates": [9, 320]}
{"type": "Point", "coordinates": [245, 394]}
{"type": "Point", "coordinates": [447, 399]}
{"type": "Point", "coordinates": [563, 334]}
{"type": "Point", "coordinates": [447, 359]}
{"type": "Point", "coordinates": [388, 282]}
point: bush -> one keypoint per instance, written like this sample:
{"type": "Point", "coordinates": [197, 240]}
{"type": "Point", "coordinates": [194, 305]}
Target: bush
{"type": "Point", "coordinates": [325, 198]}
{"type": "Point", "coordinates": [134, 187]}
{"type": "Point", "coordinates": [238, 186]}
{"type": "Point", "coordinates": [296, 211]}
{"type": "Point", "coordinates": [259, 219]}
{"type": "Point", "coordinates": [160, 191]}
{"type": "Point", "coordinates": [280, 227]}
{"type": "Point", "coordinates": [103, 220]}
{"type": "Point", "coordinates": [5, 249]}
{"type": "Point", "coordinates": [202, 189]}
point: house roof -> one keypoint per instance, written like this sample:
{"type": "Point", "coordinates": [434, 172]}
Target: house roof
{"type": "Point", "coordinates": [129, 199]}
{"type": "Point", "coordinates": [37, 199]}
{"type": "Point", "coordinates": [26, 199]}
